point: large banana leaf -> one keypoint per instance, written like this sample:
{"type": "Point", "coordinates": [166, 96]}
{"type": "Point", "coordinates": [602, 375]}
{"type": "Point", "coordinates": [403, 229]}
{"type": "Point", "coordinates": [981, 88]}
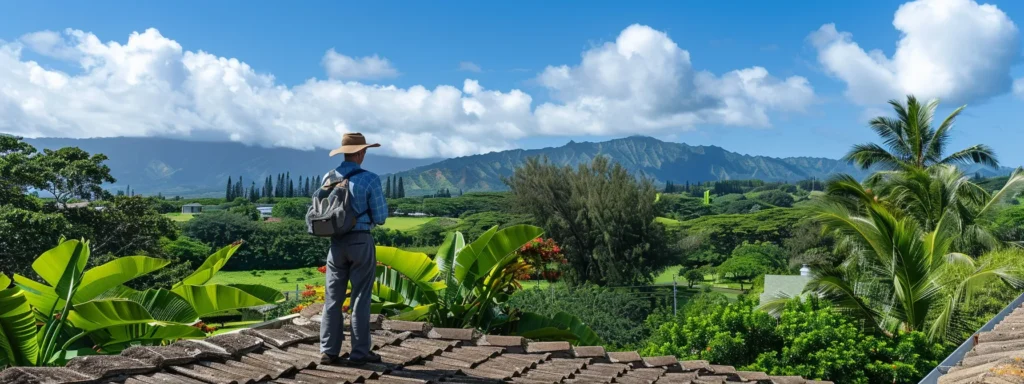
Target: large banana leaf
{"type": "Point", "coordinates": [55, 264]}
{"type": "Point", "coordinates": [162, 304]}
{"type": "Point", "coordinates": [114, 273]}
{"type": "Point", "coordinates": [4, 281]}
{"type": "Point", "coordinates": [562, 326]}
{"type": "Point", "coordinates": [214, 263]}
{"type": "Point", "coordinates": [414, 265]}
{"type": "Point", "coordinates": [99, 314]}
{"type": "Point", "coordinates": [71, 278]}
{"type": "Point", "coordinates": [262, 292]}
{"type": "Point", "coordinates": [112, 339]}
{"type": "Point", "coordinates": [503, 243]}
{"type": "Point", "coordinates": [445, 258]}
{"type": "Point", "coordinates": [40, 296]}
{"type": "Point", "coordinates": [213, 298]}
{"type": "Point", "coordinates": [18, 345]}
{"type": "Point", "coordinates": [466, 256]}
{"type": "Point", "coordinates": [413, 292]}
{"type": "Point", "coordinates": [415, 314]}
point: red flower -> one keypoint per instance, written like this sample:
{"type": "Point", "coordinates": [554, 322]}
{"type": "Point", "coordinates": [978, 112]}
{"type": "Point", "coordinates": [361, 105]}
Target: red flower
{"type": "Point", "coordinates": [322, 269]}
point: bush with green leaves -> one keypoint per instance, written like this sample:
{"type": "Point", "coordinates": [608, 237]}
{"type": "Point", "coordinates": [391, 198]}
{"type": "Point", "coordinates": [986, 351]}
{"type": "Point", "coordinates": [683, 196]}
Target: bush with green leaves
{"type": "Point", "coordinates": [776, 198]}
{"type": "Point", "coordinates": [810, 339]}
{"type": "Point", "coordinates": [291, 208]}
{"type": "Point", "coordinates": [78, 310]}
{"type": "Point", "coordinates": [692, 276]}
{"type": "Point", "coordinates": [612, 313]}
{"type": "Point", "coordinates": [468, 285]}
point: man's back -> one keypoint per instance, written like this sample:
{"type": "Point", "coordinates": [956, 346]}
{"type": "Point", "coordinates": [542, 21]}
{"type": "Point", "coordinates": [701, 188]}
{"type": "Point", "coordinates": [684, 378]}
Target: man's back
{"type": "Point", "coordinates": [368, 194]}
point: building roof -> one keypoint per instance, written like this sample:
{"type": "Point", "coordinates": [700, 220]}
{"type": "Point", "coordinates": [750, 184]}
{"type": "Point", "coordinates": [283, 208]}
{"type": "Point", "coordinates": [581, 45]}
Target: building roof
{"type": "Point", "coordinates": [996, 355]}
{"type": "Point", "coordinates": [412, 352]}
{"type": "Point", "coordinates": [776, 286]}
{"type": "Point", "coordinates": [192, 205]}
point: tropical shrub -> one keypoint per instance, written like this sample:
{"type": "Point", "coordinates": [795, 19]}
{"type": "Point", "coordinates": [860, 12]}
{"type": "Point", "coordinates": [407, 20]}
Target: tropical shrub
{"type": "Point", "coordinates": [294, 208]}
{"type": "Point", "coordinates": [544, 257]}
{"type": "Point", "coordinates": [85, 311]}
{"type": "Point", "coordinates": [809, 339]}
{"type": "Point", "coordinates": [776, 198]}
{"type": "Point", "coordinates": [469, 285]}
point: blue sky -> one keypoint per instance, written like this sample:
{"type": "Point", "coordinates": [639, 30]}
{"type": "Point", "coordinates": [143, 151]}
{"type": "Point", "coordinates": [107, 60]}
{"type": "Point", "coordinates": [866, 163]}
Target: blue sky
{"type": "Point", "coordinates": [513, 44]}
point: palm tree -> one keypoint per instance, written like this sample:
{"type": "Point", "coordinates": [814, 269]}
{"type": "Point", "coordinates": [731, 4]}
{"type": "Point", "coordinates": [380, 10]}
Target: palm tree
{"type": "Point", "coordinates": [939, 198]}
{"type": "Point", "coordinates": [911, 142]}
{"type": "Point", "coordinates": [899, 276]}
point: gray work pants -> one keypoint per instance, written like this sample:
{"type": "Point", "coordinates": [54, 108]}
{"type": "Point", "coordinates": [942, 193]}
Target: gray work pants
{"type": "Point", "coordinates": [353, 257]}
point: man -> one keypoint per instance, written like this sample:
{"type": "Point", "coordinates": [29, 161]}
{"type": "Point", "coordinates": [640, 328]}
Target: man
{"type": "Point", "coordinates": [353, 257]}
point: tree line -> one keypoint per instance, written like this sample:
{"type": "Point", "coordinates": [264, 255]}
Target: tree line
{"type": "Point", "coordinates": [280, 186]}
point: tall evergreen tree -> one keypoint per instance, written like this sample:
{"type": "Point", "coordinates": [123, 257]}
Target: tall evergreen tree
{"type": "Point", "coordinates": [239, 189]}
{"type": "Point", "coordinates": [387, 188]}
{"type": "Point", "coordinates": [401, 187]}
{"type": "Point", "coordinates": [253, 196]}
{"type": "Point", "coordinates": [230, 190]}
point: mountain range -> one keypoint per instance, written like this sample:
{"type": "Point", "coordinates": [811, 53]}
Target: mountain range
{"type": "Point", "coordinates": [191, 168]}
{"type": "Point", "coordinates": [201, 169]}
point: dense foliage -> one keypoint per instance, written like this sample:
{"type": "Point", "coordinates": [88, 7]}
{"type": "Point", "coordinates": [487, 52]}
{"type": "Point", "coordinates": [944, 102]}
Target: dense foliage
{"type": "Point", "coordinates": [612, 313]}
{"type": "Point", "coordinates": [601, 214]}
{"type": "Point", "coordinates": [809, 339]}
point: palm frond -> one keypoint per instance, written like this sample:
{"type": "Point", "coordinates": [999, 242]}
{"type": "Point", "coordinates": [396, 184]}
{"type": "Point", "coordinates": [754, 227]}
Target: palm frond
{"type": "Point", "coordinates": [977, 154]}
{"type": "Point", "coordinates": [866, 155]}
{"type": "Point", "coordinates": [941, 136]}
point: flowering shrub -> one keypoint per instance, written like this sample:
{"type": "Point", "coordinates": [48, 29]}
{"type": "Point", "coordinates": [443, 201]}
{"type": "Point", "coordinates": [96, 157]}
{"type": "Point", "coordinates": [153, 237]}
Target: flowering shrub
{"type": "Point", "coordinates": [315, 294]}
{"type": "Point", "coordinates": [544, 257]}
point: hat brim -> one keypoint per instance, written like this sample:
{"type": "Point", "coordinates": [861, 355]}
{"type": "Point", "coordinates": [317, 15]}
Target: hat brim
{"type": "Point", "coordinates": [349, 149]}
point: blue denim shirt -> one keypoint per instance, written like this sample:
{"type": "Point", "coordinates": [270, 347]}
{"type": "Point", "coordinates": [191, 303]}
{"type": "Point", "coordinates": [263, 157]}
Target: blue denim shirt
{"type": "Point", "coordinates": [368, 193]}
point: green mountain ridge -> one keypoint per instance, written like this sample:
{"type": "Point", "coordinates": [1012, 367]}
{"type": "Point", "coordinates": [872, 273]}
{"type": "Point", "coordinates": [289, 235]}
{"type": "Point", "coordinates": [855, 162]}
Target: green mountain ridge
{"type": "Point", "coordinates": [645, 156]}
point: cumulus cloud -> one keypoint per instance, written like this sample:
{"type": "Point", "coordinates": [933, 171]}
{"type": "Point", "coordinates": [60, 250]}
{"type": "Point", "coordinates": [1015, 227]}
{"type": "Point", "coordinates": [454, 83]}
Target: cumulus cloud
{"type": "Point", "coordinates": [643, 82]}
{"type": "Point", "coordinates": [339, 66]}
{"type": "Point", "coordinates": [956, 50]}
{"type": "Point", "coordinates": [469, 66]}
{"type": "Point", "coordinates": [151, 86]}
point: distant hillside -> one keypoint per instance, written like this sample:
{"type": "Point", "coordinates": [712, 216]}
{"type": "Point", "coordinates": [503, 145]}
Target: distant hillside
{"type": "Point", "coordinates": [190, 168]}
{"type": "Point", "coordinates": [663, 161]}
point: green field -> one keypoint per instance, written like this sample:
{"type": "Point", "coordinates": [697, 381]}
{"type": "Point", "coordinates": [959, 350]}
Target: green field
{"type": "Point", "coordinates": [406, 223]}
{"type": "Point", "coordinates": [284, 280]}
{"type": "Point", "coordinates": [180, 217]}
{"type": "Point", "coordinates": [667, 221]}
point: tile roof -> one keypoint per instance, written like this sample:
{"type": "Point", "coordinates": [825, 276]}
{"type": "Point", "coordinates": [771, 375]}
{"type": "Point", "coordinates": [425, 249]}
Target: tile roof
{"type": "Point", "coordinates": [997, 356]}
{"type": "Point", "coordinates": [412, 352]}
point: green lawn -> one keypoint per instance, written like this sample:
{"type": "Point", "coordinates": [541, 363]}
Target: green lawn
{"type": "Point", "coordinates": [402, 223]}
{"type": "Point", "coordinates": [178, 216]}
{"type": "Point", "coordinates": [284, 280]}
{"type": "Point", "coordinates": [667, 221]}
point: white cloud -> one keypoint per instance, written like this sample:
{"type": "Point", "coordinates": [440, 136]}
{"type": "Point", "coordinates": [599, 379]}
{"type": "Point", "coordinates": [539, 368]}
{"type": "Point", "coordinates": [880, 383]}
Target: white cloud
{"type": "Point", "coordinates": [151, 86]}
{"type": "Point", "coordinates": [339, 66]}
{"type": "Point", "coordinates": [1018, 87]}
{"type": "Point", "coordinates": [469, 66]}
{"type": "Point", "coordinates": [956, 50]}
{"type": "Point", "coordinates": [643, 82]}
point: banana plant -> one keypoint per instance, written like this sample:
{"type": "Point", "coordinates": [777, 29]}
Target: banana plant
{"type": "Point", "coordinates": [468, 285]}
{"type": "Point", "coordinates": [42, 322]}
{"type": "Point", "coordinates": [208, 299]}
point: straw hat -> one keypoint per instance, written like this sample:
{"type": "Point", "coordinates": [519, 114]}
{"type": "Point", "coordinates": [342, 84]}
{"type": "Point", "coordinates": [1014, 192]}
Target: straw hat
{"type": "Point", "coordinates": [352, 143]}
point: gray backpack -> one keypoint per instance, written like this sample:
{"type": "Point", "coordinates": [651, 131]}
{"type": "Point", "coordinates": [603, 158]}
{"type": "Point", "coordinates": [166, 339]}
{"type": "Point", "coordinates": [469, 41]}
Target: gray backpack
{"type": "Point", "coordinates": [332, 213]}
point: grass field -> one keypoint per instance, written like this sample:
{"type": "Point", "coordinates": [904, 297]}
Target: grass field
{"type": "Point", "coordinates": [667, 221]}
{"type": "Point", "coordinates": [406, 223]}
{"type": "Point", "coordinates": [284, 280]}
{"type": "Point", "coordinates": [178, 216]}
